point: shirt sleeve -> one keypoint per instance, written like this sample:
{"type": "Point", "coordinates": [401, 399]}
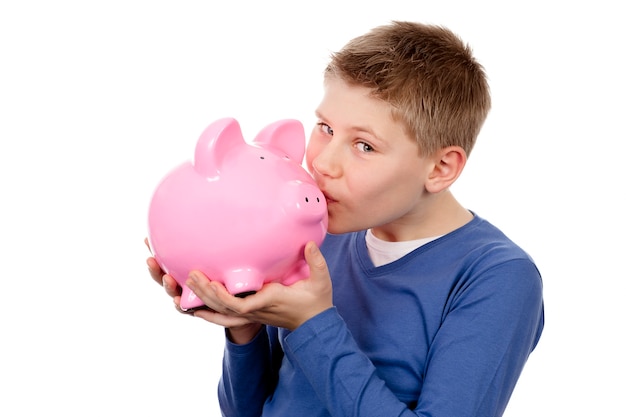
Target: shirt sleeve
{"type": "Point", "coordinates": [484, 341]}
{"type": "Point", "coordinates": [473, 363]}
{"type": "Point", "coordinates": [342, 376]}
{"type": "Point", "coordinates": [249, 374]}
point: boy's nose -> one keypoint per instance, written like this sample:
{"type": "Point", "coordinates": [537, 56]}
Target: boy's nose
{"type": "Point", "coordinates": [326, 162]}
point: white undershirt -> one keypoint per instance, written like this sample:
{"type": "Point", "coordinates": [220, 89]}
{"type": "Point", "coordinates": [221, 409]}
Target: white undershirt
{"type": "Point", "coordinates": [383, 252]}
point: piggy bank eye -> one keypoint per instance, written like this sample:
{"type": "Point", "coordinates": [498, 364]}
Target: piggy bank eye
{"type": "Point", "coordinates": [262, 157]}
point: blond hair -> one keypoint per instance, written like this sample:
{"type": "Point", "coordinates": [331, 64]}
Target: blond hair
{"type": "Point", "coordinates": [429, 76]}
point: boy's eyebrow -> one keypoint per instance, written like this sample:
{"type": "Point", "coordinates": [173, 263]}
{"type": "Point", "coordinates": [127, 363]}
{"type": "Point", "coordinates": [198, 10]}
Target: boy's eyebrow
{"type": "Point", "coordinates": [365, 129]}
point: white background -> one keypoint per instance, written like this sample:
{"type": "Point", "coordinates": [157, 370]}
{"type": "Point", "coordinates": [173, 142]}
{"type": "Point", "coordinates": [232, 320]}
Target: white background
{"type": "Point", "coordinates": [99, 99]}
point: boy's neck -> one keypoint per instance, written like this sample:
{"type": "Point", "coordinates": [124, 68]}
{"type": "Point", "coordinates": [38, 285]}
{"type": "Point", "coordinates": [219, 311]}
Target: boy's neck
{"type": "Point", "coordinates": [440, 214]}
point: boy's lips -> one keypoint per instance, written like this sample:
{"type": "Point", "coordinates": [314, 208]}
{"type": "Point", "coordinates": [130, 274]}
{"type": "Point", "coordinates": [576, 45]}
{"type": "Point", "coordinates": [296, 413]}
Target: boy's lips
{"type": "Point", "coordinates": [329, 199]}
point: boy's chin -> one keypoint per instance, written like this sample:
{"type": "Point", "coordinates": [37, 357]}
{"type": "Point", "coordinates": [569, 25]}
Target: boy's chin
{"type": "Point", "coordinates": [335, 227]}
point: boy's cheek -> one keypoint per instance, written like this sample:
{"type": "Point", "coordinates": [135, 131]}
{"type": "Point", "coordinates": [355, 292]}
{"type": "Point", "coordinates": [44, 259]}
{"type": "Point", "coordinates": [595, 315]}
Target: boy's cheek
{"type": "Point", "coordinates": [310, 154]}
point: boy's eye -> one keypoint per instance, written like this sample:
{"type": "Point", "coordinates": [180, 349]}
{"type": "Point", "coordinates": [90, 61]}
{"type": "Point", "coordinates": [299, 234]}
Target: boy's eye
{"type": "Point", "coordinates": [364, 147]}
{"type": "Point", "coordinates": [325, 128]}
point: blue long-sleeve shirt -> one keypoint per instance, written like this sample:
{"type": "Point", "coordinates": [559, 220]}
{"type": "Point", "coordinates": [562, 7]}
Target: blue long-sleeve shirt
{"type": "Point", "coordinates": [443, 331]}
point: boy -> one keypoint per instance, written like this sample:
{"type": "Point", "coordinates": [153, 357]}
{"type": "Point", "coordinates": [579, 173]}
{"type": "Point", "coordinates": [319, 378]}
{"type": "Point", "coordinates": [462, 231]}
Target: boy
{"type": "Point", "coordinates": [432, 311]}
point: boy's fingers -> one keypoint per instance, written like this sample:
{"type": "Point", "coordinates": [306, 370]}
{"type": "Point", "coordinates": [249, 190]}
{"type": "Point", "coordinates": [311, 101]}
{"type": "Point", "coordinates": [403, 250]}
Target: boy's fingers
{"type": "Point", "coordinates": [155, 270]}
{"type": "Point", "coordinates": [145, 240]}
{"type": "Point", "coordinates": [171, 286]}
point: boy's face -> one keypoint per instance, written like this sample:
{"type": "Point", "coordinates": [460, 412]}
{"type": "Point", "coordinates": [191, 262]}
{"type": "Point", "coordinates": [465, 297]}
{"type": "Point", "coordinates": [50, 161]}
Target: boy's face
{"type": "Point", "coordinates": [364, 162]}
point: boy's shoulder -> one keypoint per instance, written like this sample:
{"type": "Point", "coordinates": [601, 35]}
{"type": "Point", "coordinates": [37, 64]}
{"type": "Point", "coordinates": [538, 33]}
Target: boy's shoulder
{"type": "Point", "coordinates": [476, 243]}
{"type": "Point", "coordinates": [480, 237]}
{"type": "Point", "coordinates": [480, 247]}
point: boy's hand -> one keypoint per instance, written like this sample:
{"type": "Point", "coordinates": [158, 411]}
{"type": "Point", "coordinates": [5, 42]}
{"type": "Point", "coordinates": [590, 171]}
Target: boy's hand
{"type": "Point", "coordinates": [275, 304]}
{"type": "Point", "coordinates": [241, 330]}
{"type": "Point", "coordinates": [167, 281]}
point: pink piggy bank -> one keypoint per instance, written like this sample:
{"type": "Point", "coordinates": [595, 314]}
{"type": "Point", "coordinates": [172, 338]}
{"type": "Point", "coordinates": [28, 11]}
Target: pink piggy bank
{"type": "Point", "coordinates": [241, 213]}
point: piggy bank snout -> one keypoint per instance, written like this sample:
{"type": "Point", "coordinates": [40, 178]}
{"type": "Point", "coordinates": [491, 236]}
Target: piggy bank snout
{"type": "Point", "coordinates": [307, 200]}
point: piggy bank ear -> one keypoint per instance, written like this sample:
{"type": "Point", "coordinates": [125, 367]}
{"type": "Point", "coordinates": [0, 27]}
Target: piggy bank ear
{"type": "Point", "coordinates": [214, 143]}
{"type": "Point", "coordinates": [285, 136]}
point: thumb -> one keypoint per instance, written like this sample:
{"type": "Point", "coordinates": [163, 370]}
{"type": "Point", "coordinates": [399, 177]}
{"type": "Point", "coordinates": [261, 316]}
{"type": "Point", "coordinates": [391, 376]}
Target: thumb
{"type": "Point", "coordinates": [314, 258]}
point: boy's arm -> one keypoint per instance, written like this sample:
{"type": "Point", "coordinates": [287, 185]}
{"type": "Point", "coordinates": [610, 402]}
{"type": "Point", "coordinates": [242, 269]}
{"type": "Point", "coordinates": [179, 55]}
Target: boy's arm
{"type": "Point", "coordinates": [473, 364]}
{"type": "Point", "coordinates": [485, 339]}
{"type": "Point", "coordinates": [342, 376]}
{"type": "Point", "coordinates": [249, 374]}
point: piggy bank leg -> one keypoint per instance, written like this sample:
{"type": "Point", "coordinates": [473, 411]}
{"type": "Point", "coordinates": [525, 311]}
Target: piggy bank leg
{"type": "Point", "coordinates": [189, 301]}
{"type": "Point", "coordinates": [243, 282]}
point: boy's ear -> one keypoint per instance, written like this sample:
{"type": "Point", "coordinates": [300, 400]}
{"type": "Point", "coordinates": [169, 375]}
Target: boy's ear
{"type": "Point", "coordinates": [448, 164]}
